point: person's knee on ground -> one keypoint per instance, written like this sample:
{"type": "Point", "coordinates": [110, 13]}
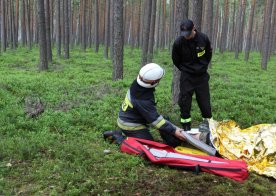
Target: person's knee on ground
{"type": "Point", "coordinates": [141, 134]}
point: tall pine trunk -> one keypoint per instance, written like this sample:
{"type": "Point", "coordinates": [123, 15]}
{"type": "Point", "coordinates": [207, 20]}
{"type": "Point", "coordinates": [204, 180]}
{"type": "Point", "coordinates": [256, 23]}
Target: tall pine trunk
{"type": "Point", "coordinates": [223, 38]}
{"type": "Point", "coordinates": [3, 26]}
{"type": "Point", "coordinates": [181, 13]}
{"type": "Point", "coordinates": [48, 31]}
{"type": "Point", "coordinates": [96, 23]}
{"type": "Point", "coordinates": [58, 30]}
{"type": "Point", "coordinates": [107, 28]}
{"type": "Point", "coordinates": [152, 30]}
{"type": "Point", "coordinates": [42, 36]}
{"type": "Point", "coordinates": [146, 30]}
{"type": "Point", "coordinates": [197, 13]}
{"type": "Point", "coordinates": [118, 50]}
{"type": "Point", "coordinates": [249, 31]}
{"type": "Point", "coordinates": [66, 30]}
{"type": "Point", "coordinates": [266, 37]}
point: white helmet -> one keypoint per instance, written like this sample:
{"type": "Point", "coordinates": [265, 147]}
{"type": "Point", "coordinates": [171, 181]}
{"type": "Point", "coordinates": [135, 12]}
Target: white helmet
{"type": "Point", "coordinates": [150, 75]}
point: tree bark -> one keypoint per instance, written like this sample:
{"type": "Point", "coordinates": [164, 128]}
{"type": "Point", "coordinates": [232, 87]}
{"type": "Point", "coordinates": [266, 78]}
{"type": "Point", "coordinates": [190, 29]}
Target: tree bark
{"type": "Point", "coordinates": [28, 25]}
{"type": "Point", "coordinates": [107, 29]}
{"type": "Point", "coordinates": [58, 30]}
{"type": "Point", "coordinates": [42, 36]}
{"type": "Point", "coordinates": [152, 30]}
{"type": "Point", "coordinates": [181, 13]}
{"type": "Point", "coordinates": [23, 24]}
{"type": "Point", "coordinates": [232, 34]}
{"type": "Point", "coordinates": [266, 37]}
{"type": "Point", "coordinates": [146, 30]}
{"type": "Point", "coordinates": [207, 25]}
{"type": "Point", "coordinates": [215, 32]}
{"type": "Point", "coordinates": [197, 13]}
{"type": "Point", "coordinates": [118, 40]}
{"type": "Point", "coordinates": [239, 28]}
{"type": "Point", "coordinates": [111, 29]}
{"type": "Point", "coordinates": [16, 21]}
{"type": "Point", "coordinates": [272, 29]}
{"type": "Point", "coordinates": [3, 26]}
{"type": "Point", "coordinates": [66, 30]}
{"type": "Point", "coordinates": [96, 23]}
{"type": "Point", "coordinates": [223, 40]}
{"type": "Point", "coordinates": [48, 31]}
{"type": "Point", "coordinates": [249, 31]}
{"type": "Point", "coordinates": [83, 37]}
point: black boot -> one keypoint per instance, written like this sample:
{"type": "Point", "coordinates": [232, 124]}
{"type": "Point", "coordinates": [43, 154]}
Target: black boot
{"type": "Point", "coordinates": [186, 126]}
{"type": "Point", "coordinates": [114, 136]}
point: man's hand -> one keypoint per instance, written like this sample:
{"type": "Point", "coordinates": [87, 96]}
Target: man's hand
{"type": "Point", "coordinates": [179, 135]}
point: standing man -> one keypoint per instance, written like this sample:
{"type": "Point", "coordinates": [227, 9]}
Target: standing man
{"type": "Point", "coordinates": [191, 54]}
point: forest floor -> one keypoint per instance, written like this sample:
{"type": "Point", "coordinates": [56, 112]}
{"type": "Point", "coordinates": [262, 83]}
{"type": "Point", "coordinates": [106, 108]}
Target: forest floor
{"type": "Point", "coordinates": [51, 125]}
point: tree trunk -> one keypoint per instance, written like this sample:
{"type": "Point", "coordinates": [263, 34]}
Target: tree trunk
{"type": "Point", "coordinates": [28, 29]}
{"type": "Point", "coordinates": [249, 31]}
{"type": "Point", "coordinates": [163, 25]}
{"type": "Point", "coordinates": [111, 29]}
{"type": "Point", "coordinates": [16, 21]}
{"type": "Point", "coordinates": [146, 30]}
{"type": "Point", "coordinates": [42, 36]}
{"type": "Point", "coordinates": [96, 26]}
{"type": "Point", "coordinates": [208, 19]}
{"type": "Point", "coordinates": [223, 38]}
{"type": "Point", "coordinates": [66, 30]}
{"type": "Point", "coordinates": [13, 25]}
{"type": "Point", "coordinates": [141, 22]}
{"type": "Point", "coordinates": [266, 37]}
{"type": "Point", "coordinates": [23, 24]}
{"type": "Point", "coordinates": [83, 40]}
{"type": "Point", "coordinates": [158, 24]}
{"type": "Point", "coordinates": [239, 28]}
{"type": "Point", "coordinates": [133, 25]}
{"type": "Point", "coordinates": [272, 29]}
{"type": "Point", "coordinates": [58, 30]}
{"type": "Point", "coordinates": [232, 34]}
{"type": "Point", "coordinates": [152, 30]}
{"type": "Point", "coordinates": [3, 26]}
{"type": "Point", "coordinates": [171, 25]}
{"type": "Point", "coordinates": [215, 32]}
{"type": "Point", "coordinates": [118, 40]}
{"type": "Point", "coordinates": [197, 13]}
{"type": "Point", "coordinates": [107, 29]}
{"type": "Point", "coordinates": [181, 13]}
{"type": "Point", "coordinates": [48, 31]}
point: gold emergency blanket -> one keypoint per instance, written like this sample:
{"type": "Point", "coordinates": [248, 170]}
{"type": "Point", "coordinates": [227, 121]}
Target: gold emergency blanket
{"type": "Point", "coordinates": [256, 145]}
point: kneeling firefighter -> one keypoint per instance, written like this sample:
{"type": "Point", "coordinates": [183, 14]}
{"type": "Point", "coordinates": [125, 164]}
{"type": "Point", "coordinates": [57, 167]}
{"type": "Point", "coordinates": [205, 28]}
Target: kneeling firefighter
{"type": "Point", "coordinates": [138, 111]}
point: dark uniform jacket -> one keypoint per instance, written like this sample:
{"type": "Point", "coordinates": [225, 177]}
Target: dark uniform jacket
{"type": "Point", "coordinates": [138, 111]}
{"type": "Point", "coordinates": [192, 56]}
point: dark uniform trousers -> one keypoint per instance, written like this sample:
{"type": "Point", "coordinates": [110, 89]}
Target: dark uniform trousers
{"type": "Point", "coordinates": [190, 84]}
{"type": "Point", "coordinates": [169, 139]}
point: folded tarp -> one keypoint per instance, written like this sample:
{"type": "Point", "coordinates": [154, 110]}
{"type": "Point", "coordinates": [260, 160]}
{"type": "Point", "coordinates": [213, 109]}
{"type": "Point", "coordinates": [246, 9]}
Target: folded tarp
{"type": "Point", "coordinates": [165, 155]}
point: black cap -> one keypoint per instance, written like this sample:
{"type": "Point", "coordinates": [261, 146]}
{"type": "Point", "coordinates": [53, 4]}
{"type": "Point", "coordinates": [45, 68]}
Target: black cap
{"type": "Point", "coordinates": [186, 27]}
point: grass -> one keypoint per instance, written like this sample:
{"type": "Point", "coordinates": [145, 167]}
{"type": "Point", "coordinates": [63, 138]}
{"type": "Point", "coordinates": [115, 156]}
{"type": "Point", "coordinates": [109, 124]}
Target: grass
{"type": "Point", "coordinates": [62, 151]}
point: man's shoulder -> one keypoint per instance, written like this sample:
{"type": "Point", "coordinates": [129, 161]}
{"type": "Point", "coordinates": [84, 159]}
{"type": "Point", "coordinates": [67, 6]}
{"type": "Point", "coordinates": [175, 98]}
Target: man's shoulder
{"type": "Point", "coordinates": [178, 40]}
{"type": "Point", "coordinates": [202, 35]}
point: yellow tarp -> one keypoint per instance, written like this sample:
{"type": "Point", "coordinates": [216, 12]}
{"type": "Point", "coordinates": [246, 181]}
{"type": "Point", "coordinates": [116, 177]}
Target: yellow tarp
{"type": "Point", "coordinates": [256, 145]}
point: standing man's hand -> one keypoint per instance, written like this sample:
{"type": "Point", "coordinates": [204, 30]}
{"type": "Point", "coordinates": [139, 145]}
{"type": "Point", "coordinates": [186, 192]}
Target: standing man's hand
{"type": "Point", "coordinates": [179, 135]}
